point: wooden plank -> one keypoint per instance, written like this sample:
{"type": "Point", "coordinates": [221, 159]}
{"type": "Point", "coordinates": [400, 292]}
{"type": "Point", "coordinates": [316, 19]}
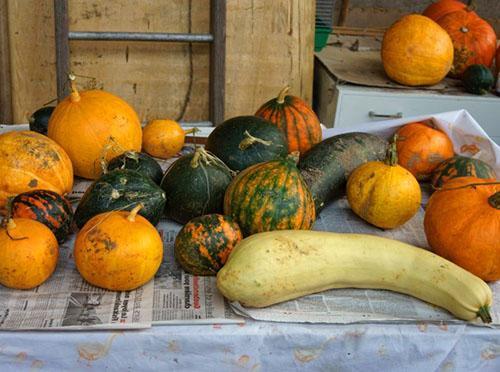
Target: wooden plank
{"type": "Point", "coordinates": [5, 83]}
{"type": "Point", "coordinates": [62, 47]}
{"type": "Point", "coordinates": [217, 60]}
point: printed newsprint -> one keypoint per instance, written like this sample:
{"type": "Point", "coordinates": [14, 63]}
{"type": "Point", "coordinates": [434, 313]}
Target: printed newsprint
{"type": "Point", "coordinates": [360, 305]}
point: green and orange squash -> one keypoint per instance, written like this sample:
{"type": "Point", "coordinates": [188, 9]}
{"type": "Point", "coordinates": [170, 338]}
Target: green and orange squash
{"type": "Point", "coordinates": [204, 243]}
{"type": "Point", "coordinates": [295, 118]}
{"type": "Point", "coordinates": [461, 166]}
{"type": "Point", "coordinates": [270, 196]}
{"type": "Point", "coordinates": [47, 207]}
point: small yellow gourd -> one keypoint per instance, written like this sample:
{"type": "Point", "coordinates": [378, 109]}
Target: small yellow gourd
{"type": "Point", "coordinates": [164, 138]}
{"type": "Point", "coordinates": [384, 193]}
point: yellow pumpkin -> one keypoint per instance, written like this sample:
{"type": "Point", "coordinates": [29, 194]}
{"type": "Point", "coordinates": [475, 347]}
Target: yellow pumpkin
{"type": "Point", "coordinates": [384, 193]}
{"type": "Point", "coordinates": [94, 126]}
{"type": "Point", "coordinates": [30, 161]}
{"type": "Point", "coordinates": [118, 251]}
{"type": "Point", "coordinates": [417, 51]}
{"type": "Point", "coordinates": [28, 253]}
{"type": "Point", "coordinates": [163, 138]}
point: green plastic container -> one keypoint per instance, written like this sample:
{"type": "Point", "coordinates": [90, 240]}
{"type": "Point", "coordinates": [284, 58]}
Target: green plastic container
{"type": "Point", "coordinates": [321, 37]}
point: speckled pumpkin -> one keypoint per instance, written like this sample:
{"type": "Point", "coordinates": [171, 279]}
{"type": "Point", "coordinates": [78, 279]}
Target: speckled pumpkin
{"type": "Point", "coordinates": [204, 243]}
{"type": "Point", "coordinates": [270, 196]}
{"type": "Point", "coordinates": [461, 166]}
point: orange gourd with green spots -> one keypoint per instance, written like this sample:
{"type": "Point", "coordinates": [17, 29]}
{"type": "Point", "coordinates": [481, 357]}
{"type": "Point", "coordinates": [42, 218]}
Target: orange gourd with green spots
{"type": "Point", "coordinates": [205, 242]}
{"type": "Point", "coordinates": [461, 166]}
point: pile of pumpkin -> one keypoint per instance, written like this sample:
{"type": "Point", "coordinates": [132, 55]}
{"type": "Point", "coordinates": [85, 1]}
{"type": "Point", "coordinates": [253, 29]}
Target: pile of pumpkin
{"type": "Point", "coordinates": [448, 39]}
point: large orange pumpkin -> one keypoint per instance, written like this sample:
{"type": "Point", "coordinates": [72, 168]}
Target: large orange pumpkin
{"type": "Point", "coordinates": [416, 51]}
{"type": "Point", "coordinates": [422, 148]}
{"type": "Point", "coordinates": [30, 161]}
{"type": "Point", "coordinates": [93, 126]}
{"type": "Point", "coordinates": [462, 224]}
{"type": "Point", "coordinates": [474, 40]}
{"type": "Point", "coordinates": [442, 7]}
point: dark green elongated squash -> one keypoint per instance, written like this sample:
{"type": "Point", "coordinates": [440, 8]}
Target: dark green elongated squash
{"type": "Point", "coordinates": [138, 161]}
{"type": "Point", "coordinates": [195, 185]}
{"type": "Point", "coordinates": [121, 189]}
{"type": "Point", "coordinates": [270, 196]}
{"type": "Point", "coordinates": [47, 207]}
{"type": "Point", "coordinates": [246, 140]}
{"type": "Point", "coordinates": [478, 79]}
{"type": "Point", "coordinates": [39, 120]}
{"type": "Point", "coordinates": [205, 242]}
{"type": "Point", "coordinates": [327, 165]}
{"type": "Point", "coordinates": [461, 166]}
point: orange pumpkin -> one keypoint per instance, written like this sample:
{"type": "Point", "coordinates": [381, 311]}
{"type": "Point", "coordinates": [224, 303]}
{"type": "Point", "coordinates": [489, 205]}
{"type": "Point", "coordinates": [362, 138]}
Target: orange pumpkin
{"type": "Point", "coordinates": [94, 126]}
{"type": "Point", "coordinates": [422, 148]}
{"type": "Point", "coordinates": [442, 7]}
{"type": "Point", "coordinates": [163, 138]}
{"type": "Point", "coordinates": [474, 40]}
{"type": "Point", "coordinates": [28, 253]}
{"type": "Point", "coordinates": [462, 224]}
{"type": "Point", "coordinates": [30, 161]}
{"type": "Point", "coordinates": [295, 118]}
{"type": "Point", "coordinates": [416, 51]}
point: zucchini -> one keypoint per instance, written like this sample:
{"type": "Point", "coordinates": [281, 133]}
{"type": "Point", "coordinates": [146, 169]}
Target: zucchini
{"type": "Point", "coordinates": [272, 267]}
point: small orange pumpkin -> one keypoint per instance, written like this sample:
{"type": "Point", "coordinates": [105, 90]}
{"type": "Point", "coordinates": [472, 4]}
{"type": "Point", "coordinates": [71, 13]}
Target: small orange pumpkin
{"type": "Point", "coordinates": [164, 138]}
{"type": "Point", "coordinates": [94, 126]}
{"type": "Point", "coordinates": [416, 51]}
{"type": "Point", "coordinates": [442, 7]}
{"type": "Point", "coordinates": [31, 161]}
{"type": "Point", "coordinates": [462, 224]}
{"type": "Point", "coordinates": [28, 253]}
{"type": "Point", "coordinates": [422, 148]}
{"type": "Point", "coordinates": [474, 40]}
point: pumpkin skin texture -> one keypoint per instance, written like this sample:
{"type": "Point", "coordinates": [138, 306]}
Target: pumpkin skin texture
{"type": "Point", "coordinates": [118, 252]}
{"type": "Point", "coordinates": [295, 118]}
{"type": "Point", "coordinates": [39, 120]}
{"type": "Point", "coordinates": [478, 79]}
{"type": "Point", "coordinates": [443, 7]}
{"type": "Point", "coordinates": [474, 40]}
{"type": "Point", "coordinates": [246, 140]}
{"type": "Point", "coordinates": [139, 162]}
{"type": "Point", "coordinates": [28, 257]}
{"type": "Point", "coordinates": [121, 189]}
{"type": "Point", "coordinates": [47, 207]}
{"type": "Point", "coordinates": [422, 148]}
{"type": "Point", "coordinates": [31, 161]}
{"type": "Point", "coordinates": [92, 126]}
{"type": "Point", "coordinates": [163, 138]}
{"type": "Point", "coordinates": [195, 185]}
{"type": "Point", "coordinates": [270, 196]}
{"type": "Point", "coordinates": [416, 51]}
{"type": "Point", "coordinates": [383, 193]}
{"type": "Point", "coordinates": [461, 166]}
{"type": "Point", "coordinates": [204, 243]}
{"type": "Point", "coordinates": [462, 226]}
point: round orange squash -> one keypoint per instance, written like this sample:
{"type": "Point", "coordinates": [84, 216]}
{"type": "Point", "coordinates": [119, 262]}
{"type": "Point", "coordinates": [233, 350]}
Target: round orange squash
{"type": "Point", "coordinates": [31, 161]}
{"type": "Point", "coordinates": [416, 51]}
{"type": "Point", "coordinates": [94, 126]}
{"type": "Point", "coordinates": [442, 7]}
{"type": "Point", "coordinates": [28, 253]}
{"type": "Point", "coordinates": [462, 224]}
{"type": "Point", "coordinates": [474, 40]}
{"type": "Point", "coordinates": [422, 148]}
{"type": "Point", "coordinates": [119, 251]}
{"type": "Point", "coordinates": [163, 138]}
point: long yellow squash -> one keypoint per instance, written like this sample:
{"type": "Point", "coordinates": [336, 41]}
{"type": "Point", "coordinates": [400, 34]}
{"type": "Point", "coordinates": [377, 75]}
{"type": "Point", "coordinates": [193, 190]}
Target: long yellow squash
{"type": "Point", "coordinates": [276, 266]}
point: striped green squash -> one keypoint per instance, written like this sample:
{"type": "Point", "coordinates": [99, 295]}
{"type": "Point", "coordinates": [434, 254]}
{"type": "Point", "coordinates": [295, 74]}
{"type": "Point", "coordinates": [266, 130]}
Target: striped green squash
{"type": "Point", "coordinates": [461, 166]}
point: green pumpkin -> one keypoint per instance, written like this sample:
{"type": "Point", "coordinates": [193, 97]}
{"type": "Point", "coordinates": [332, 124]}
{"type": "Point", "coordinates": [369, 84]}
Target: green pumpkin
{"type": "Point", "coordinates": [39, 120]}
{"type": "Point", "coordinates": [140, 162]}
{"type": "Point", "coordinates": [121, 189]}
{"type": "Point", "coordinates": [461, 166]}
{"type": "Point", "coordinates": [478, 79]}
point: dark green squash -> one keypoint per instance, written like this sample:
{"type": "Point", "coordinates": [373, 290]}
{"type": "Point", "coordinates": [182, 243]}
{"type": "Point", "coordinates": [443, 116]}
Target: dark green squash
{"type": "Point", "coordinates": [461, 166]}
{"type": "Point", "coordinates": [204, 243]}
{"type": "Point", "coordinates": [39, 120]}
{"type": "Point", "coordinates": [195, 185]}
{"type": "Point", "coordinates": [478, 79]}
{"type": "Point", "coordinates": [246, 140]}
{"type": "Point", "coordinates": [121, 189]}
{"type": "Point", "coordinates": [47, 207]}
{"type": "Point", "coordinates": [327, 166]}
{"type": "Point", "coordinates": [140, 162]}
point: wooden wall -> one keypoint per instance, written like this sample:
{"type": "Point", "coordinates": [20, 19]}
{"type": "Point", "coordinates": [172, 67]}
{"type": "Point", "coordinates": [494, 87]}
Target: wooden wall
{"type": "Point", "coordinates": [269, 44]}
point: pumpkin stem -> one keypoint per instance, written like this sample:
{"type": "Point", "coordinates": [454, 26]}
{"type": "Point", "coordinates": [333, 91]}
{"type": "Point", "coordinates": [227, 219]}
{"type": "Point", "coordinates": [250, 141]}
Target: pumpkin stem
{"type": "Point", "coordinates": [250, 140]}
{"type": "Point", "coordinates": [110, 144]}
{"type": "Point", "coordinates": [494, 200]}
{"type": "Point", "coordinates": [484, 314]}
{"type": "Point", "coordinates": [191, 131]}
{"type": "Point", "coordinates": [391, 157]}
{"type": "Point", "coordinates": [11, 225]}
{"type": "Point", "coordinates": [464, 29]}
{"type": "Point", "coordinates": [202, 155]}
{"type": "Point", "coordinates": [133, 212]}
{"type": "Point", "coordinates": [282, 95]}
{"type": "Point", "coordinates": [74, 96]}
